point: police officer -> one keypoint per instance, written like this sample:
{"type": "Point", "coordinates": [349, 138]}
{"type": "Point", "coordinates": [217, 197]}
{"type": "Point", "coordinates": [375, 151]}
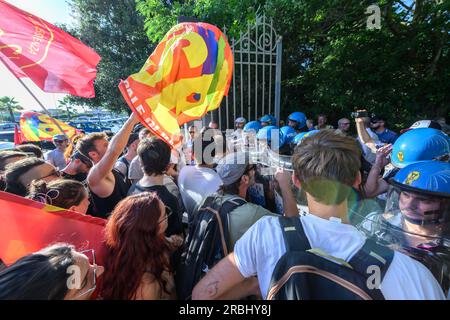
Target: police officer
{"type": "Point", "coordinates": [297, 121]}
{"type": "Point", "coordinates": [417, 216]}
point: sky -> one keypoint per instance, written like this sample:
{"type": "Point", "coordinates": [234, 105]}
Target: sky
{"type": "Point", "coordinates": [53, 11]}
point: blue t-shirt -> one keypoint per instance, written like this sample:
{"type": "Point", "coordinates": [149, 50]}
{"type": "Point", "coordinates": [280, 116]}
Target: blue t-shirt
{"type": "Point", "coordinates": [387, 136]}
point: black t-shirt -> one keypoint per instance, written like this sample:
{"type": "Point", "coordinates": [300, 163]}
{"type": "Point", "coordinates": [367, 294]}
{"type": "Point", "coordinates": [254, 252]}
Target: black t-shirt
{"type": "Point", "coordinates": [174, 222]}
{"type": "Point", "coordinates": [104, 206]}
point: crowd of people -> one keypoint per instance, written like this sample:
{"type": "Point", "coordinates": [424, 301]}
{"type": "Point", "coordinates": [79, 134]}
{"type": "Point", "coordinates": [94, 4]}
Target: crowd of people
{"type": "Point", "coordinates": [209, 220]}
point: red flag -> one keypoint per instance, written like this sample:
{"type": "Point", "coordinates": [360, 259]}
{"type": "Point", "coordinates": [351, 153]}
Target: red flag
{"type": "Point", "coordinates": [54, 60]}
{"type": "Point", "coordinates": [17, 135]}
{"type": "Point", "coordinates": [28, 226]}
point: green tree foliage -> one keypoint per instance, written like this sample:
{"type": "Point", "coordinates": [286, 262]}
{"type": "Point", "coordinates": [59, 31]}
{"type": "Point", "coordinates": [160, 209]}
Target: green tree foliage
{"type": "Point", "coordinates": [115, 30]}
{"type": "Point", "coordinates": [332, 62]}
{"type": "Point", "coordinates": [8, 104]}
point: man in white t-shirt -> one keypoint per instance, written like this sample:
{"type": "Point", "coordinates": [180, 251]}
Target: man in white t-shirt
{"type": "Point", "coordinates": [326, 166]}
{"type": "Point", "coordinates": [199, 181]}
{"type": "Point", "coordinates": [56, 156]}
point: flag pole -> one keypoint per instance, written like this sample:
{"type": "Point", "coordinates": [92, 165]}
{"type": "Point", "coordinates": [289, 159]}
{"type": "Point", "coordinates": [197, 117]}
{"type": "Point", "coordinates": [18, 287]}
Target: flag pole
{"type": "Point", "coordinates": [37, 100]}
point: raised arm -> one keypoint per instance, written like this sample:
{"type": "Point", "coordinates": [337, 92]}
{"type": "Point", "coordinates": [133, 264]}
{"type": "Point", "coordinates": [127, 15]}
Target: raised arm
{"type": "Point", "coordinates": [97, 175]}
{"type": "Point", "coordinates": [375, 185]}
{"type": "Point", "coordinates": [363, 135]}
{"type": "Point", "coordinates": [289, 204]}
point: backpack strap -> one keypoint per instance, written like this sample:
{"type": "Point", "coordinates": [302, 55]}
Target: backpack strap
{"type": "Point", "coordinates": [372, 254]}
{"type": "Point", "coordinates": [228, 206]}
{"type": "Point", "coordinates": [293, 234]}
{"type": "Point", "coordinates": [124, 161]}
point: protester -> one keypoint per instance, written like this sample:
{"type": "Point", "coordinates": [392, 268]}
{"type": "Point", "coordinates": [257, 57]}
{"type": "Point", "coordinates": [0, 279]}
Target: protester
{"type": "Point", "coordinates": [322, 123]}
{"type": "Point", "coordinates": [30, 148]}
{"type": "Point", "coordinates": [343, 126]}
{"type": "Point", "coordinates": [237, 175]}
{"type": "Point", "coordinates": [135, 172]}
{"type": "Point", "coordinates": [378, 125]}
{"type": "Point", "coordinates": [44, 275]}
{"type": "Point", "coordinates": [10, 156]}
{"type": "Point", "coordinates": [154, 154]}
{"type": "Point", "coordinates": [310, 124]}
{"type": "Point", "coordinates": [189, 146]}
{"type": "Point", "coordinates": [123, 163]}
{"type": "Point", "coordinates": [326, 167]}
{"type": "Point", "coordinates": [138, 253]}
{"type": "Point", "coordinates": [199, 181]}
{"type": "Point", "coordinates": [62, 193]}
{"type": "Point", "coordinates": [213, 125]}
{"type": "Point", "coordinates": [368, 140]}
{"type": "Point", "coordinates": [107, 185]}
{"type": "Point", "coordinates": [56, 156]}
{"type": "Point", "coordinates": [20, 174]}
{"type": "Point", "coordinates": [77, 168]}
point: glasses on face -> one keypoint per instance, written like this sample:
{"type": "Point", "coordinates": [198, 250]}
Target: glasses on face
{"type": "Point", "coordinates": [191, 132]}
{"type": "Point", "coordinates": [60, 141]}
{"type": "Point", "coordinates": [90, 254]}
{"type": "Point", "coordinates": [168, 214]}
{"type": "Point", "coordinates": [54, 173]}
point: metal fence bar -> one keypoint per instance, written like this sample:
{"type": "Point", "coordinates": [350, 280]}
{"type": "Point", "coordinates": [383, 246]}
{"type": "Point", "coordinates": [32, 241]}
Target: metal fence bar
{"type": "Point", "coordinates": [263, 68]}
{"type": "Point", "coordinates": [278, 79]}
{"type": "Point", "coordinates": [270, 70]}
{"type": "Point", "coordinates": [256, 70]}
{"type": "Point", "coordinates": [241, 79]}
{"type": "Point", "coordinates": [248, 69]}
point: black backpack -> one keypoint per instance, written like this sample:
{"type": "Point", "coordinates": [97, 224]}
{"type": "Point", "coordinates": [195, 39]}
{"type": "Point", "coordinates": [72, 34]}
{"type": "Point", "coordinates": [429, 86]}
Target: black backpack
{"type": "Point", "coordinates": [303, 273]}
{"type": "Point", "coordinates": [207, 242]}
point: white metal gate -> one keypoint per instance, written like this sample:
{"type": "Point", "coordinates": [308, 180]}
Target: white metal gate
{"type": "Point", "coordinates": [256, 85]}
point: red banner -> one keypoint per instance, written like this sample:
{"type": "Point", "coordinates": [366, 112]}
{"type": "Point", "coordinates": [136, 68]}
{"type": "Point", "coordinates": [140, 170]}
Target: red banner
{"type": "Point", "coordinates": [27, 226]}
{"type": "Point", "coordinates": [53, 59]}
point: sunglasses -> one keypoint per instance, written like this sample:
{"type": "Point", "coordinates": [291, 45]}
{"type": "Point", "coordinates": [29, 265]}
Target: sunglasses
{"type": "Point", "coordinates": [54, 173]}
{"type": "Point", "coordinates": [91, 256]}
{"type": "Point", "coordinates": [60, 141]}
{"type": "Point", "coordinates": [168, 214]}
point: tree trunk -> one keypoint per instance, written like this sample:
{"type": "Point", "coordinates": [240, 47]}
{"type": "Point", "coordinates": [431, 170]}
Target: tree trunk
{"type": "Point", "coordinates": [11, 113]}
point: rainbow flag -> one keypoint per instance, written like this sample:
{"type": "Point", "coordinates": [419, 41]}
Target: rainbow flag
{"type": "Point", "coordinates": [39, 127]}
{"type": "Point", "coordinates": [186, 76]}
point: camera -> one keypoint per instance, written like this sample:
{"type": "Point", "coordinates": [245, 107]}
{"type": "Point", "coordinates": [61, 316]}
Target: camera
{"type": "Point", "coordinates": [362, 114]}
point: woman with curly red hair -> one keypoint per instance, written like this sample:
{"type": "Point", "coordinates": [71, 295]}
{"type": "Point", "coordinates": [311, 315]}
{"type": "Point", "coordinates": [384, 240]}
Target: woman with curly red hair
{"type": "Point", "coordinates": [137, 264]}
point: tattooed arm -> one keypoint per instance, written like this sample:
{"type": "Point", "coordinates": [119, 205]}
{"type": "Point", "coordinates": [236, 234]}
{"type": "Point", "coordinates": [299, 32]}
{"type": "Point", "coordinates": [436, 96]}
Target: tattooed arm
{"type": "Point", "coordinates": [221, 280]}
